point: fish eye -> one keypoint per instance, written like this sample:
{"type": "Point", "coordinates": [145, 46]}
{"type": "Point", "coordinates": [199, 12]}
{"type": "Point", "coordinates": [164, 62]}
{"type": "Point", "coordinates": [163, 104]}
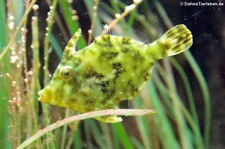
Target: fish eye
{"type": "Point", "coordinates": [66, 72]}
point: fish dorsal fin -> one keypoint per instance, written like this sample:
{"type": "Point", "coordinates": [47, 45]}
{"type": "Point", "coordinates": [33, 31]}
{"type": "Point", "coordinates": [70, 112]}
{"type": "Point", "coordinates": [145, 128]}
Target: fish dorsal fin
{"type": "Point", "coordinates": [70, 48]}
{"type": "Point", "coordinates": [123, 31]}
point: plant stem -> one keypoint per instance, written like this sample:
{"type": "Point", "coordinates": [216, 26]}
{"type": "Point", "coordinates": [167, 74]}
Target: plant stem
{"type": "Point", "coordinates": [125, 112]}
{"type": "Point", "coordinates": [18, 29]}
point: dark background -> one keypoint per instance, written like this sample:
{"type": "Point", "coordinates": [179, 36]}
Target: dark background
{"type": "Point", "coordinates": [207, 24]}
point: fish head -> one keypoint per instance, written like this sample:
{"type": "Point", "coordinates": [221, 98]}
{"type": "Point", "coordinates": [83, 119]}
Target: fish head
{"type": "Point", "coordinates": [63, 85]}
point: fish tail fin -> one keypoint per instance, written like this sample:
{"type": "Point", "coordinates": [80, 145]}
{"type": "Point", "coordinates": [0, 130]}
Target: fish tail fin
{"type": "Point", "coordinates": [176, 40]}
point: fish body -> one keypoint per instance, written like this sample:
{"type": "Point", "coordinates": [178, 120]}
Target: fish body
{"type": "Point", "coordinates": [109, 70]}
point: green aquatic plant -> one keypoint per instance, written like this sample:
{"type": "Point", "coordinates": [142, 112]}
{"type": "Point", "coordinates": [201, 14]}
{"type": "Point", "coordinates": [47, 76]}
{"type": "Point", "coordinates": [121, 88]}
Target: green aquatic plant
{"type": "Point", "coordinates": [22, 50]}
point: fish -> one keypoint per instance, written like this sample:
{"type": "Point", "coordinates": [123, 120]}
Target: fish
{"type": "Point", "coordinates": [109, 70]}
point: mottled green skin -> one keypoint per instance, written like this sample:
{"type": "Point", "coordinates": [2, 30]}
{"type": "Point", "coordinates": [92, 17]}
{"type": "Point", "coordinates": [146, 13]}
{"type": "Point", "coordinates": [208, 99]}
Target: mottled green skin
{"type": "Point", "coordinates": [109, 70]}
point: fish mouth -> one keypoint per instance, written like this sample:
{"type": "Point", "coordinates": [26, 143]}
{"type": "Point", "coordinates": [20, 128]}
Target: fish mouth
{"type": "Point", "coordinates": [42, 96]}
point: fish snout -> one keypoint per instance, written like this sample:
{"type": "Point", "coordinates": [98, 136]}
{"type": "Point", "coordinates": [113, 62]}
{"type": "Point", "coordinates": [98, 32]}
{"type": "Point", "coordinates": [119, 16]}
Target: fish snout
{"type": "Point", "coordinates": [44, 95]}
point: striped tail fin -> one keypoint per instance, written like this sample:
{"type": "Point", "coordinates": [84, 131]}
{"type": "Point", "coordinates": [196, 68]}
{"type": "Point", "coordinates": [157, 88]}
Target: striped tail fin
{"type": "Point", "coordinates": [176, 40]}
